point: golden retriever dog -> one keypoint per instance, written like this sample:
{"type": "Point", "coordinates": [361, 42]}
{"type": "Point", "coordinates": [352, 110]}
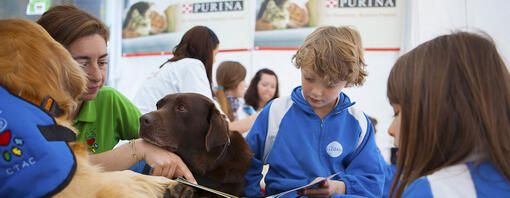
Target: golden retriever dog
{"type": "Point", "coordinates": [41, 73]}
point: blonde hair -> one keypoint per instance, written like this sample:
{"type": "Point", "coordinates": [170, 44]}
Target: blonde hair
{"type": "Point", "coordinates": [454, 93]}
{"type": "Point", "coordinates": [335, 53]}
{"type": "Point", "coordinates": [228, 76]}
{"type": "Point", "coordinates": [34, 65]}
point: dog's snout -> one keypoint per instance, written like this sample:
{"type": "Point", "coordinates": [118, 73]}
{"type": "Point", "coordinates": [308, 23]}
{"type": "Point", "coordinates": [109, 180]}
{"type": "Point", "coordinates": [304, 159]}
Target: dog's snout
{"type": "Point", "coordinates": [147, 120]}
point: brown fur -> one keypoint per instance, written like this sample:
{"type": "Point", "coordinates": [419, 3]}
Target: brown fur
{"type": "Point", "coordinates": [34, 66]}
{"type": "Point", "coordinates": [190, 125]}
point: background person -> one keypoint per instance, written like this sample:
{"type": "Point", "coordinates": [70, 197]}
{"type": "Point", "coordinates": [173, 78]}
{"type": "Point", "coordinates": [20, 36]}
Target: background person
{"type": "Point", "coordinates": [104, 116]}
{"type": "Point", "coordinates": [230, 77]}
{"type": "Point", "coordinates": [188, 71]}
{"type": "Point", "coordinates": [262, 89]}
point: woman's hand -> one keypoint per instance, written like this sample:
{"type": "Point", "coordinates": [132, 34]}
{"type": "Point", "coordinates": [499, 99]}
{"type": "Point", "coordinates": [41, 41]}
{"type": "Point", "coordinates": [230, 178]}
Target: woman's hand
{"type": "Point", "coordinates": [163, 162]}
{"type": "Point", "coordinates": [327, 188]}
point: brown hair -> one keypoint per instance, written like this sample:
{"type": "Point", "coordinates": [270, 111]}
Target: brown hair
{"type": "Point", "coordinates": [335, 53]}
{"type": "Point", "coordinates": [34, 65]}
{"type": "Point", "coordinates": [374, 122]}
{"type": "Point", "coordinates": [252, 95]}
{"type": "Point", "coordinates": [228, 76]}
{"type": "Point", "coordinates": [454, 93]}
{"type": "Point", "coordinates": [198, 42]}
{"type": "Point", "coordinates": [66, 23]}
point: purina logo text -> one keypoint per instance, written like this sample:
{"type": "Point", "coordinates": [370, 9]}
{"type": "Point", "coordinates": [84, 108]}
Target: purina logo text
{"type": "Point", "coordinates": [216, 6]}
{"type": "Point", "coordinates": [360, 3]}
{"type": "Point", "coordinates": [366, 3]}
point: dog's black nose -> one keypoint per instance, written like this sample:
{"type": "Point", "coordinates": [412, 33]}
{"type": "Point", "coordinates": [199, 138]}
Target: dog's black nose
{"type": "Point", "coordinates": [147, 120]}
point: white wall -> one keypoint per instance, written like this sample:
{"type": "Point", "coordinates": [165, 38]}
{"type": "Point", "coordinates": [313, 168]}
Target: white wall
{"type": "Point", "coordinates": [425, 19]}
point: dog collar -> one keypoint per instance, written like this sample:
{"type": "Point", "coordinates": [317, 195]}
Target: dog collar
{"type": "Point", "coordinates": [48, 103]}
{"type": "Point", "coordinates": [224, 149]}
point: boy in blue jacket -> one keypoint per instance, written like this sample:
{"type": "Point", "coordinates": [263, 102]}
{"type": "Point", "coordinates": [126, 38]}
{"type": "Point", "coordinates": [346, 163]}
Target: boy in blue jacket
{"type": "Point", "coordinates": [318, 131]}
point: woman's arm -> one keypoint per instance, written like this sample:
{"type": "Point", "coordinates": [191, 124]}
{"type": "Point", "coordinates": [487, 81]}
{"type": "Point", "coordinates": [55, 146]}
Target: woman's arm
{"type": "Point", "coordinates": [244, 125]}
{"type": "Point", "coordinates": [164, 163]}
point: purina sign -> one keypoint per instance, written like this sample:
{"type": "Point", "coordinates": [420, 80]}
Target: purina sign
{"type": "Point", "coordinates": [215, 6]}
{"type": "Point", "coordinates": [360, 3]}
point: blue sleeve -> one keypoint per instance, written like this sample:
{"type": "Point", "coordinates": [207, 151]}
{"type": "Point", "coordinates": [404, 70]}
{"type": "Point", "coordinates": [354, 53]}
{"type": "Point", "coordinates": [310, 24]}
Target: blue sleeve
{"type": "Point", "coordinates": [389, 172]}
{"type": "Point", "coordinates": [418, 189]}
{"type": "Point", "coordinates": [364, 174]}
{"type": "Point", "coordinates": [346, 196]}
{"type": "Point", "coordinates": [256, 138]}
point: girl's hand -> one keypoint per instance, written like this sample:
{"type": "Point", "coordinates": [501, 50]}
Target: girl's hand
{"type": "Point", "coordinates": [327, 188]}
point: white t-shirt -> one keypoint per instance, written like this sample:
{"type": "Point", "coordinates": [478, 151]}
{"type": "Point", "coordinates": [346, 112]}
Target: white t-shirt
{"type": "Point", "coordinates": [187, 75]}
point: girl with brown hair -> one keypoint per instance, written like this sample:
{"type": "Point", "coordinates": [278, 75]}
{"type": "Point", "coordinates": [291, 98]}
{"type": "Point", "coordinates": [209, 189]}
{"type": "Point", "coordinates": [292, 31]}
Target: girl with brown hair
{"type": "Point", "coordinates": [451, 98]}
{"type": "Point", "coordinates": [230, 78]}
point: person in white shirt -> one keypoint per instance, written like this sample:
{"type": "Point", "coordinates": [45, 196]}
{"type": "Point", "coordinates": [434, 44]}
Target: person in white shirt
{"type": "Point", "coordinates": [188, 71]}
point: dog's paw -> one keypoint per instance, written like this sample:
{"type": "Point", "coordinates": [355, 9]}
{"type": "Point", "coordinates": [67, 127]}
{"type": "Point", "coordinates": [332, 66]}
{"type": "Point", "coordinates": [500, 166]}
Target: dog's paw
{"type": "Point", "coordinates": [178, 190]}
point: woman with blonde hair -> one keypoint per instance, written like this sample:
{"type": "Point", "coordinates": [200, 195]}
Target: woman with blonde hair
{"type": "Point", "coordinates": [451, 98]}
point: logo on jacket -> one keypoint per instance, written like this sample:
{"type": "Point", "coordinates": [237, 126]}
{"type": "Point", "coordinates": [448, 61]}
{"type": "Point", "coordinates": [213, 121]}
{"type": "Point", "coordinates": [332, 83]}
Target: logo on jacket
{"type": "Point", "coordinates": [3, 124]}
{"type": "Point", "coordinates": [334, 149]}
{"type": "Point", "coordinates": [91, 140]}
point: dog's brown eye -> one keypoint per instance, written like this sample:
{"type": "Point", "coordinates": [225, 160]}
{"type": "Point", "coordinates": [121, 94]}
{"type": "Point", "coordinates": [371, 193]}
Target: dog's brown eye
{"type": "Point", "coordinates": [180, 107]}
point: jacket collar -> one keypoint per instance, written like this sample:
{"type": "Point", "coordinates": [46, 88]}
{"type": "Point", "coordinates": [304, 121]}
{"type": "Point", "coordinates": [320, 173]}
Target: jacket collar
{"type": "Point", "coordinates": [343, 101]}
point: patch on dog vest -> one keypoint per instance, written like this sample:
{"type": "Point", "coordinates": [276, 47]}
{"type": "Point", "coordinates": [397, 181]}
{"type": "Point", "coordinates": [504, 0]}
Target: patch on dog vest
{"type": "Point", "coordinates": [35, 159]}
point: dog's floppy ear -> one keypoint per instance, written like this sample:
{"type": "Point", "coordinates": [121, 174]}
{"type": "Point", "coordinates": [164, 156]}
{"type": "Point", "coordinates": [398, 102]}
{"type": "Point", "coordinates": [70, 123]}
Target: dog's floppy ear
{"type": "Point", "coordinates": [34, 65]}
{"type": "Point", "coordinates": [217, 135]}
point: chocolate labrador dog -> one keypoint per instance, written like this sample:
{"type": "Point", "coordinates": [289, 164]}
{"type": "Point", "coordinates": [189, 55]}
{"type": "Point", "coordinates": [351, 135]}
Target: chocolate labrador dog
{"type": "Point", "coordinates": [189, 125]}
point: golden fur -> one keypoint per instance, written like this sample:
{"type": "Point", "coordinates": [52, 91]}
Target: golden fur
{"type": "Point", "coordinates": [34, 66]}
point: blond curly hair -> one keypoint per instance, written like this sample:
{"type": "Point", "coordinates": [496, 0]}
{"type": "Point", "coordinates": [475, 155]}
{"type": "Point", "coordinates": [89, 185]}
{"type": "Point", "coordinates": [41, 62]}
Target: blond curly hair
{"type": "Point", "coordinates": [336, 53]}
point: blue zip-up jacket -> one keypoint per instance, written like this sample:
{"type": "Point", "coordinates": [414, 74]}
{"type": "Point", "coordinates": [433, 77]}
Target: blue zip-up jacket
{"type": "Point", "coordinates": [389, 172]}
{"type": "Point", "coordinates": [307, 147]}
{"type": "Point", "coordinates": [462, 180]}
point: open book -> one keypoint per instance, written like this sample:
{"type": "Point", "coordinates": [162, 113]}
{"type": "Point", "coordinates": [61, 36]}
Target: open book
{"type": "Point", "coordinates": [314, 184]}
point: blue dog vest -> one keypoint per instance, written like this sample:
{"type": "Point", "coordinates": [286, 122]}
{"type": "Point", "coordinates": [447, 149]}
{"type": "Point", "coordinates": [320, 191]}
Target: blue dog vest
{"type": "Point", "coordinates": [35, 158]}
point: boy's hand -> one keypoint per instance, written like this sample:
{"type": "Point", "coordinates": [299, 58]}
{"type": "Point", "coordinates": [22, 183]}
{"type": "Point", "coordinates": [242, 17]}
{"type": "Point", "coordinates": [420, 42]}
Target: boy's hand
{"type": "Point", "coordinates": [326, 189]}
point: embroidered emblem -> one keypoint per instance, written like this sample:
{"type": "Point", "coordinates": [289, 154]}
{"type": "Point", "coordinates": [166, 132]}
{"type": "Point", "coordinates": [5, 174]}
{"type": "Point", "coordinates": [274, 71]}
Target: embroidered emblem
{"type": "Point", "coordinates": [334, 149]}
{"type": "Point", "coordinates": [16, 151]}
{"type": "Point", "coordinates": [3, 124]}
{"type": "Point", "coordinates": [91, 140]}
{"type": "Point", "coordinates": [5, 137]}
{"type": "Point", "coordinates": [18, 166]}
{"type": "Point", "coordinates": [6, 155]}
{"type": "Point", "coordinates": [18, 141]}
